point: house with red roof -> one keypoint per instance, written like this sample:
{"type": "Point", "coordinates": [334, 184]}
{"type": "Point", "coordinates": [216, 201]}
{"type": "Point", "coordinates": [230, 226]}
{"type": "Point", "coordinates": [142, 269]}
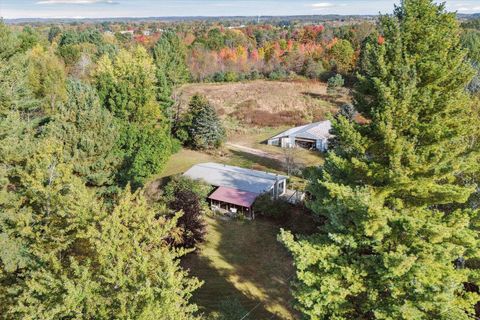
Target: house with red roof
{"type": "Point", "coordinates": [236, 189]}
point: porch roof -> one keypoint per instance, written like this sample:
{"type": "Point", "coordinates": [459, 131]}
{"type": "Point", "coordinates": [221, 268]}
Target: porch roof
{"type": "Point", "coordinates": [234, 196]}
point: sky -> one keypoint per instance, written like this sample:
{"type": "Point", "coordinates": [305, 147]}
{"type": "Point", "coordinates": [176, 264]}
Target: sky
{"type": "Point", "coordinates": [10, 9]}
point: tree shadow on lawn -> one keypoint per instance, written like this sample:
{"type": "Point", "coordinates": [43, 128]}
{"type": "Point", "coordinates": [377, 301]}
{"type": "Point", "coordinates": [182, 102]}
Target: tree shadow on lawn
{"type": "Point", "coordinates": [244, 261]}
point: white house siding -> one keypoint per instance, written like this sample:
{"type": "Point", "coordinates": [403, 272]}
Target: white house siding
{"type": "Point", "coordinates": [318, 133]}
{"type": "Point", "coordinates": [322, 145]}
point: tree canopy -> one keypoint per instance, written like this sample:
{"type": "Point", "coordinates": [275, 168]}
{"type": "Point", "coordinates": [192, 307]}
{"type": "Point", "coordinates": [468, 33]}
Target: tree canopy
{"type": "Point", "coordinates": [394, 245]}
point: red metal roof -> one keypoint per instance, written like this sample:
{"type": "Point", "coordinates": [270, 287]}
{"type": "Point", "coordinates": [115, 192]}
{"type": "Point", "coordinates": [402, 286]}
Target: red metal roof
{"type": "Point", "coordinates": [234, 196]}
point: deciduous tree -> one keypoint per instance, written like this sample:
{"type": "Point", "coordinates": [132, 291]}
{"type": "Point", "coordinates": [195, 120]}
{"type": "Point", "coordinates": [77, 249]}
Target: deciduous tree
{"type": "Point", "coordinates": [46, 77]}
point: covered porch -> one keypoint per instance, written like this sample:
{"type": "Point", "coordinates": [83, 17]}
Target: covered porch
{"type": "Point", "coordinates": [233, 201]}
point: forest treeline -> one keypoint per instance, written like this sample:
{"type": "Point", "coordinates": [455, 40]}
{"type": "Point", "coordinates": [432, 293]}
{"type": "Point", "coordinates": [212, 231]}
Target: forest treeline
{"type": "Point", "coordinates": [87, 118]}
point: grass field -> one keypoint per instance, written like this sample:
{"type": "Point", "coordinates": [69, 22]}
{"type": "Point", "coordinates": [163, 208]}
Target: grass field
{"type": "Point", "coordinates": [243, 260]}
{"type": "Point", "coordinates": [274, 96]}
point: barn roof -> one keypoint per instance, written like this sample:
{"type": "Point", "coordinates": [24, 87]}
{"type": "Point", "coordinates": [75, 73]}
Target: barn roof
{"type": "Point", "coordinates": [221, 175]}
{"type": "Point", "coordinates": [234, 196]}
{"type": "Point", "coordinates": [312, 131]}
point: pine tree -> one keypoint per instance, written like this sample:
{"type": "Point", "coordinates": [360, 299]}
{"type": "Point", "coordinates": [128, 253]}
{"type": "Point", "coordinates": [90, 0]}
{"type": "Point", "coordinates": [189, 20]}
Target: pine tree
{"type": "Point", "coordinates": [134, 260]}
{"type": "Point", "coordinates": [171, 67]}
{"type": "Point", "coordinates": [15, 92]}
{"type": "Point", "coordinates": [46, 77]}
{"type": "Point", "coordinates": [44, 221]}
{"type": "Point", "coordinates": [394, 246]}
{"type": "Point", "coordinates": [89, 134]}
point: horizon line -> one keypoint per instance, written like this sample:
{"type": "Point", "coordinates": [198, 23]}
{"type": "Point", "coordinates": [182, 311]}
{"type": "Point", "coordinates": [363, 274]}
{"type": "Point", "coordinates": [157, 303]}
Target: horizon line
{"type": "Point", "coordinates": [213, 16]}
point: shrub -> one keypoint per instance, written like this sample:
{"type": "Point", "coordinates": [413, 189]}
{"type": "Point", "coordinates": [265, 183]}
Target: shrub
{"type": "Point", "coordinates": [278, 74]}
{"type": "Point", "coordinates": [277, 209]}
{"type": "Point", "coordinates": [219, 77]}
{"type": "Point", "coordinates": [230, 76]}
{"type": "Point", "coordinates": [334, 83]}
{"type": "Point", "coordinates": [313, 69]}
{"type": "Point", "coordinates": [348, 111]}
{"type": "Point", "coordinates": [255, 75]}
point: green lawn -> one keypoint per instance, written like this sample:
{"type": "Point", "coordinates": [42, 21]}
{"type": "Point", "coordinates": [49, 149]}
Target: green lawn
{"type": "Point", "coordinates": [256, 138]}
{"type": "Point", "coordinates": [185, 158]}
{"type": "Point", "coordinates": [243, 260]}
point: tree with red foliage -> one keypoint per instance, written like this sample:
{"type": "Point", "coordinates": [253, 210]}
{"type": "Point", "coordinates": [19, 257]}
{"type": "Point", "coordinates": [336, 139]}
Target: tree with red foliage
{"type": "Point", "coordinates": [192, 221]}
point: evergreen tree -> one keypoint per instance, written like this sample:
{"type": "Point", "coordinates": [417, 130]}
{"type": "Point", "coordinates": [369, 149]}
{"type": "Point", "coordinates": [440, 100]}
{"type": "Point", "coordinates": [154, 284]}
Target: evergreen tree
{"type": "Point", "coordinates": [29, 38]}
{"type": "Point", "coordinates": [134, 260]}
{"type": "Point", "coordinates": [200, 127]}
{"type": "Point", "coordinates": [15, 92]}
{"type": "Point", "coordinates": [9, 42]}
{"type": "Point", "coordinates": [45, 215]}
{"type": "Point", "coordinates": [63, 255]}
{"type": "Point", "coordinates": [392, 247]}
{"type": "Point", "coordinates": [171, 68]}
{"type": "Point", "coordinates": [53, 33]}
{"type": "Point", "coordinates": [126, 86]}
{"type": "Point", "coordinates": [89, 135]}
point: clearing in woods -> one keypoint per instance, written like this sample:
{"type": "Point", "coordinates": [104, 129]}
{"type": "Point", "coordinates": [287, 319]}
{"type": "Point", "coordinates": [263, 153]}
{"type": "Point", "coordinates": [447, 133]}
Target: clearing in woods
{"type": "Point", "coordinates": [242, 260]}
{"type": "Point", "coordinates": [267, 103]}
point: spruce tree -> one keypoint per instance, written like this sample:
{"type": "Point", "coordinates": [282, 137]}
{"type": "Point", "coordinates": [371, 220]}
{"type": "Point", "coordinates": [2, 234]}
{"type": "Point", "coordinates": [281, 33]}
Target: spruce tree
{"type": "Point", "coordinates": [201, 127]}
{"type": "Point", "coordinates": [394, 246]}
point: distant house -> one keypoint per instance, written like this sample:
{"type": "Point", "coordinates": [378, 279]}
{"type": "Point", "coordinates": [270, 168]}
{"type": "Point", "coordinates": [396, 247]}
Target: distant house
{"type": "Point", "coordinates": [129, 32]}
{"type": "Point", "coordinates": [237, 188]}
{"type": "Point", "coordinates": [312, 136]}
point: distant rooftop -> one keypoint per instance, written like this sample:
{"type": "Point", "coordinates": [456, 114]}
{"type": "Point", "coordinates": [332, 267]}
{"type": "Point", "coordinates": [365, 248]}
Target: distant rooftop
{"type": "Point", "coordinates": [221, 175]}
{"type": "Point", "coordinates": [313, 131]}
